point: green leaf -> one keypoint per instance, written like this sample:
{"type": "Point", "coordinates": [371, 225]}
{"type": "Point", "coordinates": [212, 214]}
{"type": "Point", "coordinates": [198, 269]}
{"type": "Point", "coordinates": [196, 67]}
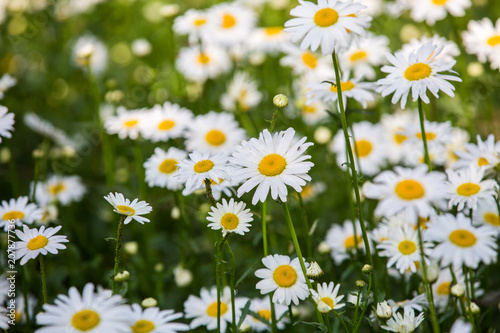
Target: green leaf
{"type": "Point", "coordinates": [244, 312]}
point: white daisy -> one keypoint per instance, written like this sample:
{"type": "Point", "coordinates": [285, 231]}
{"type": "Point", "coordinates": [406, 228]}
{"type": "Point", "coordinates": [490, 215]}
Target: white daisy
{"type": "Point", "coordinates": [459, 139]}
{"type": "Point", "coordinates": [268, 39]}
{"type": "Point", "coordinates": [214, 132]}
{"type": "Point", "coordinates": [312, 190]}
{"type": "Point", "coordinates": [225, 186]}
{"type": "Point", "coordinates": [60, 189]}
{"type": "Point", "coordinates": [314, 113]}
{"type": "Point", "coordinates": [21, 307]}
{"type": "Point", "coordinates": [431, 11]}
{"type": "Point", "coordinates": [164, 122]}
{"type": "Point", "coordinates": [6, 82]}
{"type": "Point", "coordinates": [325, 24]}
{"type": "Point", "coordinates": [200, 166]}
{"type": "Point", "coordinates": [270, 163]}
{"type": "Point", "coordinates": [414, 155]}
{"type": "Point", "coordinates": [449, 52]}
{"type": "Point", "coordinates": [284, 277]}
{"type": "Point", "coordinates": [459, 242]}
{"type": "Point", "coordinates": [91, 312]}
{"type": "Point", "coordinates": [487, 214]}
{"type": "Point", "coordinates": [126, 123]}
{"type": "Point", "coordinates": [192, 23]}
{"type": "Point", "coordinates": [20, 211]}
{"type": "Point", "coordinates": [461, 326]}
{"type": "Point", "coordinates": [342, 242]}
{"type": "Point", "coordinates": [466, 188]}
{"type": "Point", "coordinates": [89, 49]}
{"type": "Point", "coordinates": [154, 320]}
{"type": "Point", "coordinates": [262, 307]}
{"type": "Point", "coordinates": [132, 210]}
{"type": "Point", "coordinates": [404, 324]}
{"type": "Point", "coordinates": [403, 249]}
{"type": "Point", "coordinates": [414, 190]}
{"type": "Point", "coordinates": [242, 93]}
{"type": "Point", "coordinates": [201, 64]}
{"type": "Point", "coordinates": [305, 62]}
{"type": "Point", "coordinates": [441, 288]}
{"type": "Point", "coordinates": [327, 294]}
{"type": "Point", "coordinates": [230, 217]}
{"type": "Point", "coordinates": [483, 39]}
{"type": "Point", "coordinates": [417, 303]}
{"type": "Point", "coordinates": [161, 168]}
{"type": "Point", "coordinates": [394, 125]}
{"type": "Point", "coordinates": [231, 23]}
{"type": "Point", "coordinates": [34, 242]}
{"type": "Point", "coordinates": [436, 133]}
{"type": "Point", "coordinates": [6, 123]}
{"type": "Point", "coordinates": [417, 72]}
{"type": "Point", "coordinates": [483, 154]}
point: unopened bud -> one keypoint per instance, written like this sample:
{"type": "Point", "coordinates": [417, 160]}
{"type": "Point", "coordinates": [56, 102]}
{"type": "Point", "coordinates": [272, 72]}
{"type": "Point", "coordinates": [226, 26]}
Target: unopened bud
{"type": "Point", "coordinates": [131, 247]}
{"type": "Point", "coordinates": [360, 283]}
{"type": "Point", "coordinates": [367, 269]}
{"type": "Point", "coordinates": [175, 213]}
{"type": "Point", "coordinates": [183, 277]}
{"type": "Point", "coordinates": [457, 290]}
{"type": "Point", "coordinates": [280, 101]}
{"type": "Point", "coordinates": [384, 311]}
{"type": "Point", "coordinates": [149, 302]}
{"type": "Point", "coordinates": [123, 276]}
{"type": "Point", "coordinates": [245, 328]}
{"type": "Point", "coordinates": [432, 272]}
{"type": "Point", "coordinates": [474, 309]}
{"type": "Point", "coordinates": [314, 271]}
{"type": "Point", "coordinates": [324, 248]}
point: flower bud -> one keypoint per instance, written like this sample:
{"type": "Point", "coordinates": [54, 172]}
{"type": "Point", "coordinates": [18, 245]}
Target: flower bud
{"type": "Point", "coordinates": [367, 269]}
{"type": "Point", "coordinates": [432, 272]}
{"type": "Point", "coordinates": [474, 309]}
{"type": "Point", "coordinates": [384, 311]}
{"type": "Point", "coordinates": [131, 247]}
{"type": "Point", "coordinates": [149, 302]}
{"type": "Point", "coordinates": [314, 271]}
{"type": "Point", "coordinates": [280, 101]}
{"type": "Point", "coordinates": [123, 276]}
{"type": "Point", "coordinates": [457, 290]}
{"type": "Point", "coordinates": [324, 248]}
{"type": "Point", "coordinates": [183, 277]}
{"type": "Point", "coordinates": [175, 213]}
{"type": "Point", "coordinates": [245, 328]}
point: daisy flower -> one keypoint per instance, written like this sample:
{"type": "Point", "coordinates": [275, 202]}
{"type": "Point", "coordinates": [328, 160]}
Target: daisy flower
{"type": "Point", "coordinates": [482, 38]}
{"type": "Point", "coordinates": [466, 188]}
{"type": "Point", "coordinates": [483, 154]}
{"type": "Point", "coordinates": [200, 166]}
{"type": "Point", "coordinates": [154, 320]}
{"type": "Point", "coordinates": [461, 326]}
{"type": "Point", "coordinates": [6, 82]}
{"type": "Point", "coordinates": [327, 294]}
{"type": "Point", "coordinates": [394, 125]}
{"type": "Point", "coordinates": [269, 39]}
{"type": "Point", "coordinates": [326, 24]}
{"type": "Point", "coordinates": [417, 72]}
{"type": "Point", "coordinates": [132, 210]}
{"type": "Point", "coordinates": [284, 277]}
{"type": "Point", "coordinates": [312, 114]}
{"type": "Point", "coordinates": [192, 23]}
{"type": "Point", "coordinates": [417, 303]}
{"type": "Point", "coordinates": [214, 132]}
{"type": "Point", "coordinates": [6, 123]}
{"type": "Point", "coordinates": [201, 64]}
{"type": "Point", "coordinates": [61, 189]}
{"type": "Point", "coordinates": [431, 11]}
{"type": "Point", "coordinates": [404, 324]}
{"type": "Point", "coordinates": [20, 211]}
{"type": "Point", "coordinates": [34, 242]}
{"type": "Point", "coordinates": [342, 242]}
{"type": "Point", "coordinates": [242, 93]}
{"type": "Point", "coordinates": [161, 168]}
{"type": "Point", "coordinates": [459, 242]}
{"type": "Point", "coordinates": [262, 307]}
{"type": "Point", "coordinates": [449, 52]}
{"type": "Point", "coordinates": [403, 249]}
{"type": "Point", "coordinates": [414, 190]}
{"type": "Point", "coordinates": [270, 163]}
{"type": "Point", "coordinates": [90, 312]}
{"type": "Point", "coordinates": [459, 139]}
{"type": "Point", "coordinates": [164, 122]}
{"type": "Point", "coordinates": [436, 133]}
{"type": "Point", "coordinates": [225, 186]}
{"type": "Point", "coordinates": [89, 49]}
{"type": "Point", "coordinates": [231, 23]}
{"type": "Point", "coordinates": [126, 123]}
{"type": "Point", "coordinates": [487, 214]}
{"type": "Point", "coordinates": [441, 288]}
{"type": "Point", "coordinates": [306, 62]}
{"type": "Point", "coordinates": [204, 308]}
{"type": "Point", "coordinates": [230, 217]}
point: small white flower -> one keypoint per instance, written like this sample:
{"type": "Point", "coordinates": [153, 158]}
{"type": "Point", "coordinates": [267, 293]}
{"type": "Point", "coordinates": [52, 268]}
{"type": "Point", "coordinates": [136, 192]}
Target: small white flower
{"type": "Point", "coordinates": [126, 123]}
{"type": "Point", "coordinates": [327, 294]}
{"type": "Point", "coordinates": [6, 123]}
{"type": "Point", "coordinates": [161, 168]}
{"type": "Point", "coordinates": [230, 217]}
{"type": "Point", "coordinates": [6, 82]}
{"type": "Point", "coordinates": [154, 320]}
{"type": "Point", "coordinates": [404, 324]}
{"type": "Point", "coordinates": [20, 211]}
{"type": "Point", "coordinates": [132, 210]}
{"type": "Point", "coordinates": [34, 242]}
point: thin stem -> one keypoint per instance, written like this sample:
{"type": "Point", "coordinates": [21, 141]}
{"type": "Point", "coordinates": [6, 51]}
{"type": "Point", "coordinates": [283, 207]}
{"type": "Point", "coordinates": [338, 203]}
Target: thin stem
{"type": "Point", "coordinates": [353, 169]}
{"type": "Point", "coordinates": [365, 306]}
{"type": "Point", "coordinates": [139, 168]}
{"type": "Point", "coordinates": [118, 250]}
{"type": "Point", "coordinates": [274, 323]}
{"type": "Point", "coordinates": [424, 136]}
{"type": "Point", "coordinates": [25, 296]}
{"type": "Point", "coordinates": [303, 213]}
{"type": "Point", "coordinates": [357, 305]}
{"type": "Point", "coordinates": [263, 210]}
{"type": "Point", "coordinates": [218, 275]}
{"type": "Point", "coordinates": [342, 321]}
{"type": "Point", "coordinates": [44, 282]}
{"type": "Point", "coordinates": [231, 283]}
{"type": "Point", "coordinates": [468, 297]}
{"type": "Point", "coordinates": [291, 317]}
{"type": "Point", "coordinates": [273, 121]}
{"type": "Point", "coordinates": [210, 196]}
{"type": "Point", "coordinates": [327, 321]}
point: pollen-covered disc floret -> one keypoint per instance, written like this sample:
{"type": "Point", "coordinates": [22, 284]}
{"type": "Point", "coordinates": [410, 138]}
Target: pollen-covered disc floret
{"type": "Point", "coordinates": [327, 293]}
{"type": "Point", "coordinates": [230, 217]}
{"type": "Point", "coordinates": [270, 163]}
{"type": "Point", "coordinates": [284, 277]}
{"type": "Point", "coordinates": [90, 312]}
{"type": "Point", "coordinates": [20, 211]}
{"type": "Point", "coordinates": [418, 72]}
{"type": "Point", "coordinates": [154, 320]}
{"type": "Point", "coordinates": [132, 210]}
{"type": "Point", "coordinates": [459, 243]}
{"type": "Point", "coordinates": [34, 242]}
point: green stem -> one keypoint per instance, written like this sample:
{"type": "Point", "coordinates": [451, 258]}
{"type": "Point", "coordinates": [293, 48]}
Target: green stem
{"type": "Point", "coordinates": [44, 282]}
{"type": "Point", "coordinates": [357, 305]}
{"type": "Point", "coordinates": [424, 136]}
{"type": "Point", "coordinates": [233, 301]}
{"type": "Point", "coordinates": [353, 169]}
{"type": "Point", "coordinates": [118, 250]}
{"type": "Point", "coordinates": [303, 213]}
{"type": "Point", "coordinates": [210, 195]}
{"type": "Point", "coordinates": [327, 321]}
{"type": "Point", "coordinates": [342, 321]}
{"type": "Point", "coordinates": [263, 210]}
{"type": "Point", "coordinates": [365, 306]}
{"type": "Point", "coordinates": [291, 317]}
{"type": "Point", "coordinates": [139, 168]}
{"type": "Point", "coordinates": [25, 296]}
{"type": "Point", "coordinates": [468, 297]}
{"type": "Point", "coordinates": [274, 323]}
{"type": "Point", "coordinates": [273, 121]}
{"type": "Point", "coordinates": [218, 275]}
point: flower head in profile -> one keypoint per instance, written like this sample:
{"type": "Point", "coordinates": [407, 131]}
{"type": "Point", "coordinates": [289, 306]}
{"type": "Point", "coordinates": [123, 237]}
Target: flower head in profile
{"type": "Point", "coordinates": [154, 320]}
{"type": "Point", "coordinates": [34, 242]}
{"type": "Point", "coordinates": [406, 323]}
{"type": "Point", "coordinates": [20, 211]}
{"type": "Point", "coordinates": [327, 294]}
{"type": "Point", "coordinates": [270, 163]}
{"type": "Point", "coordinates": [6, 123]}
{"type": "Point", "coordinates": [132, 210]}
{"type": "Point", "coordinates": [418, 72]}
{"type": "Point", "coordinates": [230, 217]}
{"type": "Point", "coordinates": [326, 24]}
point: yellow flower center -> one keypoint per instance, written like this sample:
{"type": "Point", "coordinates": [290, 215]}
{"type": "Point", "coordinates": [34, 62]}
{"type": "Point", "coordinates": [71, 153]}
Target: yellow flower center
{"type": "Point", "coordinates": [200, 22]}
{"type": "Point", "coordinates": [270, 31]}
{"type": "Point", "coordinates": [439, 2]}
{"type": "Point", "coordinates": [37, 243]}
{"type": "Point", "coordinates": [363, 148]}
{"type": "Point", "coordinates": [428, 135]}
{"type": "Point", "coordinates": [418, 71]}
{"type": "Point", "coordinates": [125, 210]}
{"type": "Point", "coordinates": [492, 218]}
{"type": "Point", "coordinates": [308, 109]}
{"type": "Point", "coordinates": [203, 59]}
{"type": "Point", "coordinates": [215, 137]}
{"type": "Point", "coordinates": [272, 165]}
{"type": "Point", "coordinates": [494, 41]}
{"type": "Point", "coordinates": [409, 189]}
{"type": "Point", "coordinates": [326, 17]}
{"type": "Point", "coordinates": [349, 242]}
{"type": "Point", "coordinates": [55, 189]}
{"type": "Point", "coordinates": [85, 320]}
{"type": "Point", "coordinates": [345, 86]}
{"type": "Point", "coordinates": [168, 166]}
{"type": "Point", "coordinates": [285, 276]}
{"type": "Point", "coordinates": [400, 138]}
{"type": "Point", "coordinates": [356, 56]}
{"type": "Point", "coordinates": [328, 301]}
{"type": "Point", "coordinates": [230, 221]}
{"type": "Point", "coordinates": [228, 21]}
{"type": "Point", "coordinates": [407, 247]}
{"type": "Point", "coordinates": [463, 238]}
{"type": "Point", "coordinates": [265, 314]}
{"type": "Point", "coordinates": [166, 125]}
{"type": "Point", "coordinates": [310, 59]}
{"type": "Point", "coordinates": [422, 223]}
{"type": "Point", "coordinates": [131, 123]}
{"type": "Point", "coordinates": [482, 161]}
{"type": "Point", "coordinates": [13, 215]}
{"type": "Point", "coordinates": [143, 326]}
{"type": "Point", "coordinates": [468, 189]}
{"type": "Point", "coordinates": [212, 309]}
{"type": "Point", "coordinates": [203, 166]}
{"type": "Point", "coordinates": [444, 288]}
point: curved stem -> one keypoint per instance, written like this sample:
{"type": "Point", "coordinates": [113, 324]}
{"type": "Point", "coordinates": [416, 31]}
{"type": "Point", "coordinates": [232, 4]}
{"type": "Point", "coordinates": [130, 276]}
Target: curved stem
{"type": "Point", "coordinates": [118, 250]}
{"type": "Point", "coordinates": [210, 195]}
{"type": "Point", "coordinates": [342, 321]}
{"type": "Point", "coordinates": [424, 136]}
{"type": "Point", "coordinates": [303, 213]}
{"type": "Point", "coordinates": [44, 282]}
{"type": "Point", "coordinates": [365, 306]}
